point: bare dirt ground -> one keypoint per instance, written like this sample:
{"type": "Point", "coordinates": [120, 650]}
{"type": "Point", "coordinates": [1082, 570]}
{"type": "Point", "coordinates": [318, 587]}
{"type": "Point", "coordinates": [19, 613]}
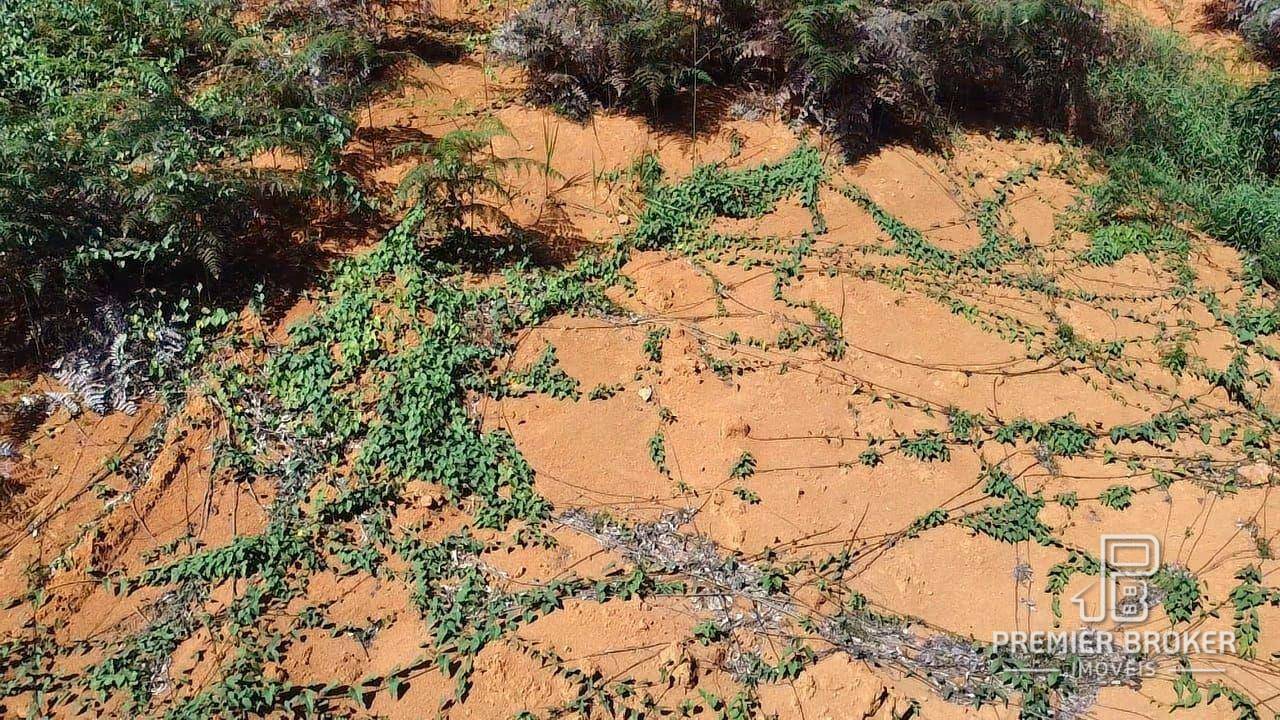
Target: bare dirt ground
{"type": "Point", "coordinates": [807, 419]}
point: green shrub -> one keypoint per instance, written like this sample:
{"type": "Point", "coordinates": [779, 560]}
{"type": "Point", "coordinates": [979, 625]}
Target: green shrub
{"type": "Point", "coordinates": [1184, 141]}
{"type": "Point", "coordinates": [128, 130]}
{"type": "Point", "coordinates": [1257, 21]}
{"type": "Point", "coordinates": [632, 53]}
{"type": "Point", "coordinates": [858, 72]}
{"type": "Point", "coordinates": [1258, 113]}
{"type": "Point", "coordinates": [1261, 27]}
{"type": "Point", "coordinates": [1020, 61]}
{"type": "Point", "coordinates": [1246, 215]}
{"type": "Point", "coordinates": [1158, 104]}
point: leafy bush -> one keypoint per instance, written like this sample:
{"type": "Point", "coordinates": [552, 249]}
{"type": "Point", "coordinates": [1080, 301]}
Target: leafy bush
{"type": "Point", "coordinates": [129, 132]}
{"type": "Point", "coordinates": [1178, 132]}
{"type": "Point", "coordinates": [454, 174]}
{"type": "Point", "coordinates": [1247, 215]}
{"type": "Point", "coordinates": [858, 73]}
{"type": "Point", "coordinates": [1168, 114]}
{"type": "Point", "coordinates": [633, 53]}
{"type": "Point", "coordinates": [1258, 114]}
{"type": "Point", "coordinates": [1257, 20]}
{"type": "Point", "coordinates": [1023, 61]}
{"type": "Point", "coordinates": [1260, 24]}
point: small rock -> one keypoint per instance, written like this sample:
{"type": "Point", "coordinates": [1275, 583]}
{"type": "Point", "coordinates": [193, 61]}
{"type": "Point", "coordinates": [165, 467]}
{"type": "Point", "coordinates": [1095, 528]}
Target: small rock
{"type": "Point", "coordinates": [1258, 473]}
{"type": "Point", "coordinates": [645, 393]}
{"type": "Point", "coordinates": [624, 219]}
